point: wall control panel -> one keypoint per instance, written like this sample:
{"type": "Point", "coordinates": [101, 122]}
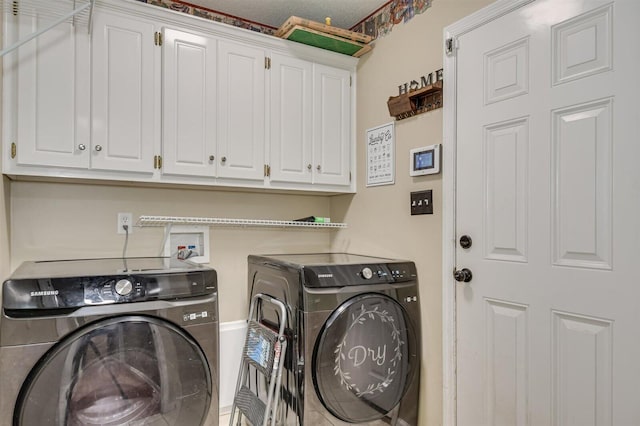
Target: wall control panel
{"type": "Point", "coordinates": [424, 160]}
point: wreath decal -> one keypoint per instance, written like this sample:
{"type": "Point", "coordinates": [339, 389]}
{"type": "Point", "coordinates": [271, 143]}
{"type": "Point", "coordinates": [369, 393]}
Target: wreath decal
{"type": "Point", "coordinates": [340, 357]}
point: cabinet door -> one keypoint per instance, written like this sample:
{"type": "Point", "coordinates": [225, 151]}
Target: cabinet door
{"type": "Point", "coordinates": [52, 74]}
{"type": "Point", "coordinates": [332, 125]}
{"type": "Point", "coordinates": [125, 91]}
{"type": "Point", "coordinates": [291, 119]}
{"type": "Point", "coordinates": [188, 104]}
{"type": "Point", "coordinates": [241, 111]}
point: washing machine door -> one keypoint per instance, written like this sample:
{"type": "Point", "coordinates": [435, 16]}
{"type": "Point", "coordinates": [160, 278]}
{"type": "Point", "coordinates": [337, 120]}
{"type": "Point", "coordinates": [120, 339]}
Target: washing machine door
{"type": "Point", "coordinates": [126, 370]}
{"type": "Point", "coordinates": [365, 358]}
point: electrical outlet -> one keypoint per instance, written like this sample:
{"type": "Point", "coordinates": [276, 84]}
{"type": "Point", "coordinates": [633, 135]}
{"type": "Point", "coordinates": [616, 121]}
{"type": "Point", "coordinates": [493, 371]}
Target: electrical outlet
{"type": "Point", "coordinates": [125, 219]}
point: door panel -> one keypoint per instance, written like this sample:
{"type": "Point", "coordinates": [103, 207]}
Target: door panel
{"type": "Point", "coordinates": [291, 119]}
{"type": "Point", "coordinates": [53, 95]}
{"type": "Point", "coordinates": [121, 370]}
{"type": "Point", "coordinates": [547, 189]}
{"type": "Point", "coordinates": [364, 358]}
{"type": "Point", "coordinates": [332, 125]}
{"type": "Point", "coordinates": [506, 147]}
{"type": "Point", "coordinates": [241, 98]}
{"type": "Point", "coordinates": [189, 104]}
{"type": "Point", "coordinates": [124, 94]}
{"type": "Point", "coordinates": [581, 177]}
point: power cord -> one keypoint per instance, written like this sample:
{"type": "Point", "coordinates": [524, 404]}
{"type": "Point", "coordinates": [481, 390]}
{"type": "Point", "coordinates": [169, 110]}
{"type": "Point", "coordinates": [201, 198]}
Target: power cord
{"type": "Point", "coordinates": [126, 240]}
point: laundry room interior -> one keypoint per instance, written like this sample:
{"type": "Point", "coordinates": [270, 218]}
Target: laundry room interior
{"type": "Point", "coordinates": [76, 220]}
{"type": "Point", "coordinates": [53, 216]}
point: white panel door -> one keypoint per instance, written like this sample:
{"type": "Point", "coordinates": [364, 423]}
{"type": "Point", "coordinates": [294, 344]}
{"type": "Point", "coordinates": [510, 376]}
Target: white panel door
{"type": "Point", "coordinates": [332, 125]}
{"type": "Point", "coordinates": [548, 189]}
{"type": "Point", "coordinates": [53, 76]}
{"type": "Point", "coordinates": [291, 119]}
{"type": "Point", "coordinates": [125, 93]}
{"type": "Point", "coordinates": [241, 111]}
{"type": "Point", "coordinates": [188, 103]}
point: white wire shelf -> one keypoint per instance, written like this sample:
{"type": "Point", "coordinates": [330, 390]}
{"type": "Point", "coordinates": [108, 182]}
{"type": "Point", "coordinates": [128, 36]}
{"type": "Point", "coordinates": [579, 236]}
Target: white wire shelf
{"type": "Point", "coordinates": [51, 12]}
{"type": "Point", "coordinates": [144, 221]}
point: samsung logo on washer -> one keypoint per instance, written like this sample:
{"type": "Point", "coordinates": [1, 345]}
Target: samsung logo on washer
{"type": "Point", "coordinates": [44, 293]}
{"type": "Point", "coordinates": [325, 275]}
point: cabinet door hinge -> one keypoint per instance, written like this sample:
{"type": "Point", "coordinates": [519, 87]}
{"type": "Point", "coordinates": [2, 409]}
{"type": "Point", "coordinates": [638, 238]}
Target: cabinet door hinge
{"type": "Point", "coordinates": [157, 161]}
{"type": "Point", "coordinates": [267, 63]}
{"type": "Point", "coordinates": [349, 176]}
{"type": "Point", "coordinates": [350, 81]}
{"type": "Point", "coordinates": [15, 7]}
{"type": "Point", "coordinates": [267, 170]}
{"type": "Point", "coordinates": [157, 38]}
{"type": "Point", "coordinates": [14, 150]}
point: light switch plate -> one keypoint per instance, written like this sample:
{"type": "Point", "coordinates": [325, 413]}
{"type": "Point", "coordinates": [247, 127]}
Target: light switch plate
{"type": "Point", "coordinates": [422, 202]}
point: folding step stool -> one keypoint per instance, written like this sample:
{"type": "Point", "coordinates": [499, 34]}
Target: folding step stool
{"type": "Point", "coordinates": [264, 350]}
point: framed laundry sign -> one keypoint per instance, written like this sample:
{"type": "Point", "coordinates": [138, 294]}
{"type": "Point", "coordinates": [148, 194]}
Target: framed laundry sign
{"type": "Point", "coordinates": [381, 155]}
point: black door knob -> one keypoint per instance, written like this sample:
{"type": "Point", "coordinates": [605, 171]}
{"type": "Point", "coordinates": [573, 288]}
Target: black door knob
{"type": "Point", "coordinates": [465, 241]}
{"type": "Point", "coordinates": [462, 275]}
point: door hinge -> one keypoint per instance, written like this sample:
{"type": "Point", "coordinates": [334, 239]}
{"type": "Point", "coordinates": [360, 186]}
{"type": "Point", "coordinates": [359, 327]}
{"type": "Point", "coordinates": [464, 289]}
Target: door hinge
{"type": "Point", "coordinates": [15, 7]}
{"type": "Point", "coordinates": [450, 45]}
{"type": "Point", "coordinates": [157, 38]}
{"type": "Point", "coordinates": [267, 170]}
{"type": "Point", "coordinates": [267, 63]}
{"type": "Point", "coordinates": [349, 176]}
{"type": "Point", "coordinates": [14, 150]}
{"type": "Point", "coordinates": [350, 81]}
{"type": "Point", "coordinates": [157, 162]}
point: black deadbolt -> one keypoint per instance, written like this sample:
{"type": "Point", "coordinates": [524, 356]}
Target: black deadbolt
{"type": "Point", "coordinates": [465, 241]}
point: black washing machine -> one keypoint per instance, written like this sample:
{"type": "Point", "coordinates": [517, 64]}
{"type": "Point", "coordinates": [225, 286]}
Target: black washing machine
{"type": "Point", "coordinates": [353, 326]}
{"type": "Point", "coordinates": [109, 342]}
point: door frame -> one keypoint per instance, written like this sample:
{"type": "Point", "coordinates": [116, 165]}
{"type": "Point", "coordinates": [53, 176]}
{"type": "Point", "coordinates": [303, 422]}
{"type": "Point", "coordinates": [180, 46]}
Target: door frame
{"type": "Point", "coordinates": [449, 358]}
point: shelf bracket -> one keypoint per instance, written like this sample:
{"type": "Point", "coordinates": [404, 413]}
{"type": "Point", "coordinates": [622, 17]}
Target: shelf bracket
{"type": "Point", "coordinates": [55, 23]}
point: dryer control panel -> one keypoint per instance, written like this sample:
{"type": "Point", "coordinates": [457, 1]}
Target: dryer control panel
{"type": "Point", "coordinates": [359, 274]}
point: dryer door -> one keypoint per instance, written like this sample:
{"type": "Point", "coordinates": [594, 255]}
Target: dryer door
{"type": "Point", "coordinates": [121, 370]}
{"type": "Point", "coordinates": [365, 358]}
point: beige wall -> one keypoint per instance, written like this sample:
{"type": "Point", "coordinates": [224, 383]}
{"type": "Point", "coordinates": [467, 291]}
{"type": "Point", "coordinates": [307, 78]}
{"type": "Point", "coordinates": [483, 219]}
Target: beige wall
{"type": "Point", "coordinates": [67, 221]}
{"type": "Point", "coordinates": [379, 217]}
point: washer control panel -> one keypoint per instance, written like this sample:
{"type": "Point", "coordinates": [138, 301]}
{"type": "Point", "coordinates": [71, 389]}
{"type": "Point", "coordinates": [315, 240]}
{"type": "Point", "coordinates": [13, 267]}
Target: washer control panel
{"type": "Point", "coordinates": [115, 290]}
{"type": "Point", "coordinates": [140, 288]}
{"type": "Point", "coordinates": [55, 287]}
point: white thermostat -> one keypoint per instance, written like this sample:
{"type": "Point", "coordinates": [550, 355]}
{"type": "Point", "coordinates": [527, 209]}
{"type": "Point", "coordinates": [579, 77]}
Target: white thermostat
{"type": "Point", "coordinates": [424, 160]}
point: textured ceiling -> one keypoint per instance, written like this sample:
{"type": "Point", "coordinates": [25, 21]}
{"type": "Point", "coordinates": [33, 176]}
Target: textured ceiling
{"type": "Point", "coordinates": [343, 13]}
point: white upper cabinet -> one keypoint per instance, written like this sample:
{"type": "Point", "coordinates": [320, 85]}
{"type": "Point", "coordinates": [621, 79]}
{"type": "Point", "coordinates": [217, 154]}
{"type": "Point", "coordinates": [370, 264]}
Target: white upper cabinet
{"type": "Point", "coordinates": [310, 123]}
{"type": "Point", "coordinates": [241, 111]}
{"type": "Point", "coordinates": [125, 93]}
{"type": "Point", "coordinates": [189, 103]}
{"type": "Point", "coordinates": [157, 96]}
{"type": "Point", "coordinates": [47, 93]}
{"type": "Point", "coordinates": [332, 125]}
{"type": "Point", "coordinates": [291, 123]}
